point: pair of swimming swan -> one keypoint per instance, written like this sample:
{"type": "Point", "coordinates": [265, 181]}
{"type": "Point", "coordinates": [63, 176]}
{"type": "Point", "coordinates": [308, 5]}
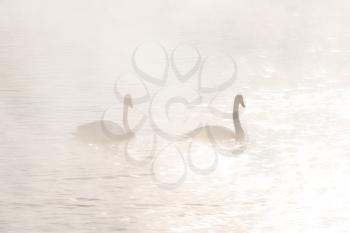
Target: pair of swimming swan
{"type": "Point", "coordinates": [108, 132]}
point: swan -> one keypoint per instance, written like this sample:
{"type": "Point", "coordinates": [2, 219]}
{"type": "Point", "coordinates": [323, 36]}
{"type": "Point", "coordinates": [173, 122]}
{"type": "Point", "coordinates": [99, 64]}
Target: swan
{"type": "Point", "coordinates": [104, 132]}
{"type": "Point", "coordinates": [222, 137]}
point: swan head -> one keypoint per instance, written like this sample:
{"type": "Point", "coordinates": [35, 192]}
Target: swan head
{"type": "Point", "coordinates": [239, 100]}
{"type": "Point", "coordinates": [128, 100]}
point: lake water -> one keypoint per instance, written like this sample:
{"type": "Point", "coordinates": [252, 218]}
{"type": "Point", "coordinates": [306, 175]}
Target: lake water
{"type": "Point", "coordinates": [58, 66]}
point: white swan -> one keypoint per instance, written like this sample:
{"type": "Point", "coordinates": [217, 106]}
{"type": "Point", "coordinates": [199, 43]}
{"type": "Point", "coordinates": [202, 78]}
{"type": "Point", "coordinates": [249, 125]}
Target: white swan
{"type": "Point", "coordinates": [222, 137]}
{"type": "Point", "coordinates": [104, 132]}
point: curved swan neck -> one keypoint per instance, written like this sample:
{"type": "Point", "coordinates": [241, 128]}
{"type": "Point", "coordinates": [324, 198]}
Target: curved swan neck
{"type": "Point", "coordinates": [127, 104]}
{"type": "Point", "coordinates": [236, 122]}
{"type": "Point", "coordinates": [125, 118]}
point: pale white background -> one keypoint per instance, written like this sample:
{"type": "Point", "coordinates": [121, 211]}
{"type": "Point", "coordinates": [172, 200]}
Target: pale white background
{"type": "Point", "coordinates": [58, 64]}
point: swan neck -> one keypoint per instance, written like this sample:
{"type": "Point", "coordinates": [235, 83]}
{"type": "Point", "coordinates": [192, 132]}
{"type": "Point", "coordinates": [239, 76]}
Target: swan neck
{"type": "Point", "coordinates": [236, 122]}
{"type": "Point", "coordinates": [125, 117]}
